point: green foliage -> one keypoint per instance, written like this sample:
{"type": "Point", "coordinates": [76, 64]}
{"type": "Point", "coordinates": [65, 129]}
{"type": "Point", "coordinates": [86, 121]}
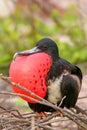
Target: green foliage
{"type": "Point", "coordinates": [20, 32]}
{"type": "Point", "coordinates": [22, 105]}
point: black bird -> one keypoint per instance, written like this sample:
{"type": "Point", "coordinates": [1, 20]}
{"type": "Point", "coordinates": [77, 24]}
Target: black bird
{"type": "Point", "coordinates": [63, 80]}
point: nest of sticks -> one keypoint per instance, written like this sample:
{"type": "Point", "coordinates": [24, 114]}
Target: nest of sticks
{"type": "Point", "coordinates": [59, 120]}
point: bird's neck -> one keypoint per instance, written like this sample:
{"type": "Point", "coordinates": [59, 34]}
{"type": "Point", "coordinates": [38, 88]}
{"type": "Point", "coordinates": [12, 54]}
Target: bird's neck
{"type": "Point", "coordinates": [53, 71]}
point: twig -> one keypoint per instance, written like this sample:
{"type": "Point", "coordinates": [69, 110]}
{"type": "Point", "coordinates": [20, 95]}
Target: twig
{"type": "Point", "coordinates": [81, 121]}
{"type": "Point", "coordinates": [62, 101]}
{"type": "Point", "coordinates": [40, 100]}
{"type": "Point", "coordinates": [82, 97]}
{"type": "Point", "coordinates": [32, 123]}
{"type": "Point", "coordinates": [50, 117]}
{"type": "Point", "coordinates": [11, 112]}
{"type": "Point", "coordinates": [6, 79]}
{"type": "Point", "coordinates": [79, 110]}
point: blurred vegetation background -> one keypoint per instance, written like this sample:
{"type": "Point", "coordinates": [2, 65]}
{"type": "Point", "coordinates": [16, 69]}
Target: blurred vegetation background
{"type": "Point", "coordinates": [32, 20]}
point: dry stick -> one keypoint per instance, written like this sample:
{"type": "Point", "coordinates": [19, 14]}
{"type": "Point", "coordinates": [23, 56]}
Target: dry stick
{"type": "Point", "coordinates": [76, 119]}
{"type": "Point", "coordinates": [55, 107]}
{"type": "Point", "coordinates": [19, 115]}
{"type": "Point", "coordinates": [61, 101]}
{"type": "Point", "coordinates": [15, 119]}
{"type": "Point", "coordinates": [28, 97]}
{"type": "Point", "coordinates": [6, 79]}
{"type": "Point", "coordinates": [80, 110]}
{"type": "Point", "coordinates": [35, 125]}
{"type": "Point", "coordinates": [20, 95]}
{"type": "Point", "coordinates": [13, 127]}
{"type": "Point", "coordinates": [29, 115]}
{"type": "Point", "coordinates": [32, 123]}
{"type": "Point", "coordinates": [46, 127]}
{"type": "Point", "coordinates": [11, 112]}
{"type": "Point", "coordinates": [55, 120]}
{"type": "Point", "coordinates": [49, 117]}
{"type": "Point", "coordinates": [43, 101]}
{"type": "Point", "coordinates": [82, 97]}
{"type": "Point", "coordinates": [70, 118]}
{"type": "Point", "coordinates": [12, 121]}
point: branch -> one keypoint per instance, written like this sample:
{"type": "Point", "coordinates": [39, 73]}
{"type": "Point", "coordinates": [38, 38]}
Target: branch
{"type": "Point", "coordinates": [81, 121]}
{"type": "Point", "coordinates": [82, 97]}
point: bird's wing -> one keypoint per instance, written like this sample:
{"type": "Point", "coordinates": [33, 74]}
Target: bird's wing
{"type": "Point", "coordinates": [72, 69]}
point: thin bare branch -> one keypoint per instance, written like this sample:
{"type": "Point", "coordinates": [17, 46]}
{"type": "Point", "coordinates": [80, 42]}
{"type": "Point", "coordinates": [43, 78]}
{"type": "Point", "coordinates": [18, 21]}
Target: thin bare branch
{"type": "Point", "coordinates": [23, 120]}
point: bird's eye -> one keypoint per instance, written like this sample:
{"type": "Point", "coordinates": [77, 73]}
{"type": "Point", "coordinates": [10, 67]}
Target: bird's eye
{"type": "Point", "coordinates": [44, 47]}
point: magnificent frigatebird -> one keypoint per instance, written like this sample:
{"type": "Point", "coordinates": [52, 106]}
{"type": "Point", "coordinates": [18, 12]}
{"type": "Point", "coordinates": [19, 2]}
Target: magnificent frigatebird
{"type": "Point", "coordinates": [54, 76]}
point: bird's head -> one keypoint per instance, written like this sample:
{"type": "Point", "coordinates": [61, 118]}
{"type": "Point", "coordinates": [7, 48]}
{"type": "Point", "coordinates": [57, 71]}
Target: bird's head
{"type": "Point", "coordinates": [44, 45]}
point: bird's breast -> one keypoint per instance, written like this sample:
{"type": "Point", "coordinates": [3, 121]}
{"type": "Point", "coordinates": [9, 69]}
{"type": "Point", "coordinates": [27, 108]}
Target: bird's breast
{"type": "Point", "coordinates": [31, 72]}
{"type": "Point", "coordinates": [54, 90]}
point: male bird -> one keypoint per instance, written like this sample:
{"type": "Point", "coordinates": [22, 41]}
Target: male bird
{"type": "Point", "coordinates": [62, 78]}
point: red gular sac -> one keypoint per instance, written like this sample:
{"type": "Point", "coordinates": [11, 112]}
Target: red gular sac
{"type": "Point", "coordinates": [31, 72]}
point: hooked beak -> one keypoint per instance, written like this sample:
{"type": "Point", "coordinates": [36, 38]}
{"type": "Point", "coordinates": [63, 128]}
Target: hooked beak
{"type": "Point", "coordinates": [25, 53]}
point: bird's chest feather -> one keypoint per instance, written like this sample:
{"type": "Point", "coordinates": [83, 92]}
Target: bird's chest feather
{"type": "Point", "coordinates": [31, 72]}
{"type": "Point", "coordinates": [54, 90]}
